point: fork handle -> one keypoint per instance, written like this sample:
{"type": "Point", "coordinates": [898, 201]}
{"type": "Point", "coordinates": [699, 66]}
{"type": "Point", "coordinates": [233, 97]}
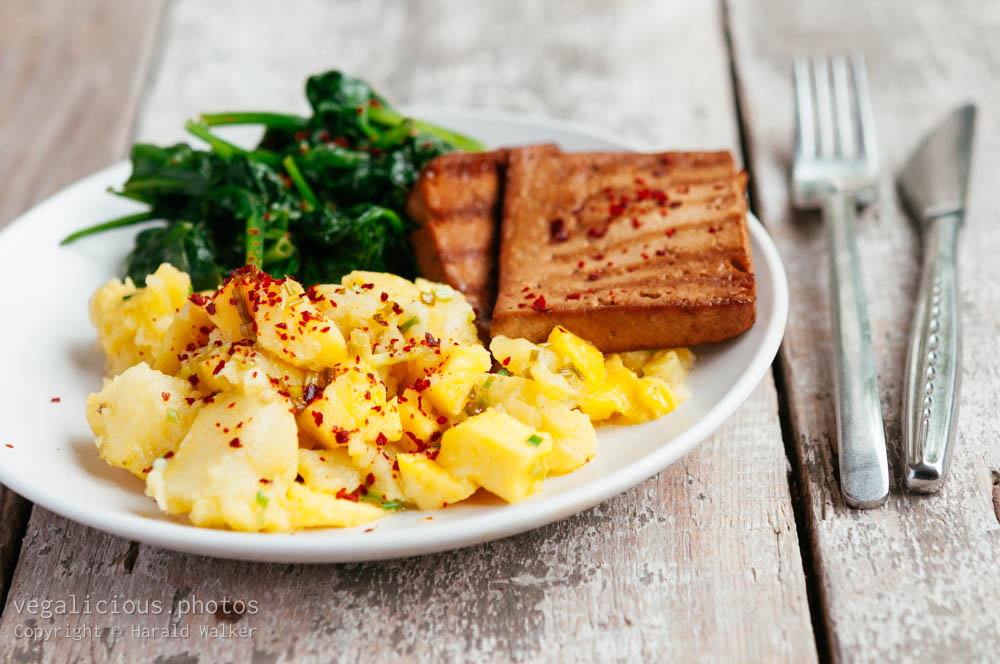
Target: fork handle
{"type": "Point", "coordinates": [864, 470]}
{"type": "Point", "coordinates": [930, 403]}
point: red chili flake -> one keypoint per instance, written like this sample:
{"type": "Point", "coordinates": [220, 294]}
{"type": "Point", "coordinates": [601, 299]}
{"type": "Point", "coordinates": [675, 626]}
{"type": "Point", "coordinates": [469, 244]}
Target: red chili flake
{"type": "Point", "coordinates": [636, 223]}
{"type": "Point", "coordinates": [324, 330]}
{"type": "Point", "coordinates": [539, 303]}
{"type": "Point", "coordinates": [264, 481]}
{"type": "Point", "coordinates": [147, 469]}
{"type": "Point", "coordinates": [165, 396]}
{"type": "Point", "coordinates": [526, 289]}
{"type": "Point", "coordinates": [311, 392]}
{"type": "Point", "coordinates": [370, 479]}
{"type": "Point", "coordinates": [384, 297]}
{"type": "Point", "coordinates": [395, 465]}
{"type": "Point", "coordinates": [597, 231]}
{"type": "Point", "coordinates": [209, 399]}
{"type": "Point", "coordinates": [343, 495]}
{"type": "Point", "coordinates": [594, 276]}
{"type": "Point", "coordinates": [675, 204]}
{"type": "Point", "coordinates": [300, 479]}
{"type": "Point", "coordinates": [670, 232]}
{"type": "Point", "coordinates": [168, 455]}
{"type": "Point", "coordinates": [342, 436]}
{"type": "Point", "coordinates": [396, 309]}
{"type": "Point", "coordinates": [684, 189]}
{"type": "Point", "coordinates": [380, 439]}
{"type": "Point", "coordinates": [572, 296]}
{"type": "Point", "coordinates": [210, 308]}
{"type": "Point", "coordinates": [661, 252]}
{"type": "Point", "coordinates": [317, 417]}
{"type": "Point", "coordinates": [197, 299]}
{"type": "Point", "coordinates": [442, 419]}
{"type": "Point", "coordinates": [431, 341]}
{"type": "Point", "coordinates": [557, 230]}
{"type": "Point", "coordinates": [281, 326]}
{"type": "Point", "coordinates": [189, 400]}
{"type": "Point", "coordinates": [421, 384]}
{"type": "Point", "coordinates": [711, 229]}
{"type": "Point", "coordinates": [368, 286]}
{"type": "Point", "coordinates": [580, 264]}
{"type": "Point", "coordinates": [598, 257]}
{"type": "Point", "coordinates": [8, 445]}
{"type": "Point", "coordinates": [645, 256]}
{"type": "Point", "coordinates": [506, 361]}
{"type": "Point", "coordinates": [616, 210]}
{"type": "Point", "coordinates": [521, 305]}
{"type": "Point", "coordinates": [235, 443]}
{"type": "Point", "coordinates": [55, 399]}
{"type": "Point", "coordinates": [231, 405]}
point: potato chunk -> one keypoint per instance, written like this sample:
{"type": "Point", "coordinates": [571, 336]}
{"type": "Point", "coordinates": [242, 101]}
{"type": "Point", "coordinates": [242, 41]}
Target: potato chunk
{"type": "Point", "coordinates": [429, 485]}
{"type": "Point", "coordinates": [446, 380]}
{"type": "Point", "coordinates": [139, 416]}
{"type": "Point", "coordinates": [132, 322]}
{"type": "Point", "coordinates": [497, 452]}
{"type": "Point", "coordinates": [315, 509]}
{"type": "Point", "coordinates": [236, 448]}
{"type": "Point", "coordinates": [353, 405]}
{"type": "Point", "coordinates": [289, 326]}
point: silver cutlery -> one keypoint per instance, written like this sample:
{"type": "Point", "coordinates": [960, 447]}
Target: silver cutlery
{"type": "Point", "coordinates": [933, 186]}
{"type": "Point", "coordinates": [836, 169]}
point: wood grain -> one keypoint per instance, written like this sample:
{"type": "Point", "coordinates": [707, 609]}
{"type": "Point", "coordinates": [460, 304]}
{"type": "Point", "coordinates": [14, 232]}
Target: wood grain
{"type": "Point", "coordinates": [700, 563]}
{"type": "Point", "coordinates": [920, 578]}
{"type": "Point", "coordinates": [70, 76]}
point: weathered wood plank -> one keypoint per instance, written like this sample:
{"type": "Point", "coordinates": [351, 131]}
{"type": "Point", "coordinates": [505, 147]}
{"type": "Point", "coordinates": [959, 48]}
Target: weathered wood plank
{"type": "Point", "coordinates": [71, 74]}
{"type": "Point", "coordinates": [920, 578]}
{"type": "Point", "coordinates": [698, 563]}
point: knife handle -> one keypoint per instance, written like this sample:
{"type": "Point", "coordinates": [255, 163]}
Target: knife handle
{"type": "Point", "coordinates": [930, 402]}
{"type": "Point", "coordinates": [864, 470]}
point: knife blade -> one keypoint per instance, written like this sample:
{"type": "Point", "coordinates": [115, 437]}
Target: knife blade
{"type": "Point", "coordinates": [933, 186]}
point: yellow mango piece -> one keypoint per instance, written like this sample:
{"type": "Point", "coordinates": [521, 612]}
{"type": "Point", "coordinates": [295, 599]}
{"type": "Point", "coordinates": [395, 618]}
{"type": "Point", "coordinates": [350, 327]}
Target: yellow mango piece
{"type": "Point", "coordinates": [291, 328]}
{"type": "Point", "coordinates": [429, 485]}
{"type": "Point", "coordinates": [140, 415]}
{"type": "Point", "coordinates": [497, 452]}
{"type": "Point", "coordinates": [581, 354]}
{"type": "Point", "coordinates": [353, 405]}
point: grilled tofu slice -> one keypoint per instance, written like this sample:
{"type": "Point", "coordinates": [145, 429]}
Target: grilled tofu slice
{"type": "Point", "coordinates": [627, 250]}
{"type": "Point", "coordinates": [456, 202]}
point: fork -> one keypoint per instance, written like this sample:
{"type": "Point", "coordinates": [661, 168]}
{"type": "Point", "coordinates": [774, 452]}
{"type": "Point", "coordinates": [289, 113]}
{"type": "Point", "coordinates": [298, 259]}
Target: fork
{"type": "Point", "coordinates": [836, 169]}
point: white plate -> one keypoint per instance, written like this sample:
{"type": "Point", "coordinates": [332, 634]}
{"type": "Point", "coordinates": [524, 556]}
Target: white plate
{"type": "Point", "coordinates": [47, 452]}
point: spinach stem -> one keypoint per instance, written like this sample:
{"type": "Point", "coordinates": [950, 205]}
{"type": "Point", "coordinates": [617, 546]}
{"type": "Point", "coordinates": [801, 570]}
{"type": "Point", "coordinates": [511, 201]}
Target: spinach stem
{"type": "Point", "coordinates": [300, 182]}
{"type": "Point", "coordinates": [385, 116]}
{"type": "Point", "coordinates": [225, 149]}
{"type": "Point", "coordinates": [271, 120]}
{"type": "Point", "coordinates": [108, 225]}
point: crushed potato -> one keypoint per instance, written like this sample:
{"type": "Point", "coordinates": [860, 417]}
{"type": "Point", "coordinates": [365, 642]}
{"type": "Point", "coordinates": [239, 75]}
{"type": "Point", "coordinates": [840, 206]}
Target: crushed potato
{"type": "Point", "coordinates": [265, 406]}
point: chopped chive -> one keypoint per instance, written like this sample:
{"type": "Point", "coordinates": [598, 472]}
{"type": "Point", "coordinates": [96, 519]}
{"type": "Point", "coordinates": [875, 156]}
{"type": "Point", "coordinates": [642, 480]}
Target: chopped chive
{"type": "Point", "coordinates": [127, 297]}
{"type": "Point", "coordinates": [408, 324]}
{"type": "Point", "coordinates": [534, 440]}
{"type": "Point", "coordinates": [172, 416]}
{"type": "Point", "coordinates": [503, 372]}
{"type": "Point", "coordinates": [262, 500]}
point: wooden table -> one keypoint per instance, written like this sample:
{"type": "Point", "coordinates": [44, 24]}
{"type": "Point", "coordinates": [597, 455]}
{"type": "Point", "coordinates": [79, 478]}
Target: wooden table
{"type": "Point", "coordinates": [744, 550]}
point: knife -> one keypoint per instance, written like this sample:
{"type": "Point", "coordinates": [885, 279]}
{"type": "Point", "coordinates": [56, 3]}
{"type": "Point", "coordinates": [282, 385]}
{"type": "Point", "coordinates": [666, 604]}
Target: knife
{"type": "Point", "coordinates": [933, 187]}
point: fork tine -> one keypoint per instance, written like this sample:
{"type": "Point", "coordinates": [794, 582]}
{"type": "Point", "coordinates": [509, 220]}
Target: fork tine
{"type": "Point", "coordinates": [844, 108]}
{"type": "Point", "coordinates": [805, 114]}
{"type": "Point", "coordinates": [824, 107]}
{"type": "Point", "coordinates": [866, 118]}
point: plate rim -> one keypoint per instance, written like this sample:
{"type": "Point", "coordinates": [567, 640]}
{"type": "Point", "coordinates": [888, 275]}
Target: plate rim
{"type": "Point", "coordinates": [512, 519]}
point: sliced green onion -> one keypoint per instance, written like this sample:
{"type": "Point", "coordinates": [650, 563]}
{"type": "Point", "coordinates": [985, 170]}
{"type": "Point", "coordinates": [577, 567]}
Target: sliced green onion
{"type": "Point", "coordinates": [262, 500]}
{"type": "Point", "coordinates": [408, 324]}
{"type": "Point", "coordinates": [172, 416]}
{"type": "Point", "coordinates": [534, 440]}
{"type": "Point", "coordinates": [503, 372]}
